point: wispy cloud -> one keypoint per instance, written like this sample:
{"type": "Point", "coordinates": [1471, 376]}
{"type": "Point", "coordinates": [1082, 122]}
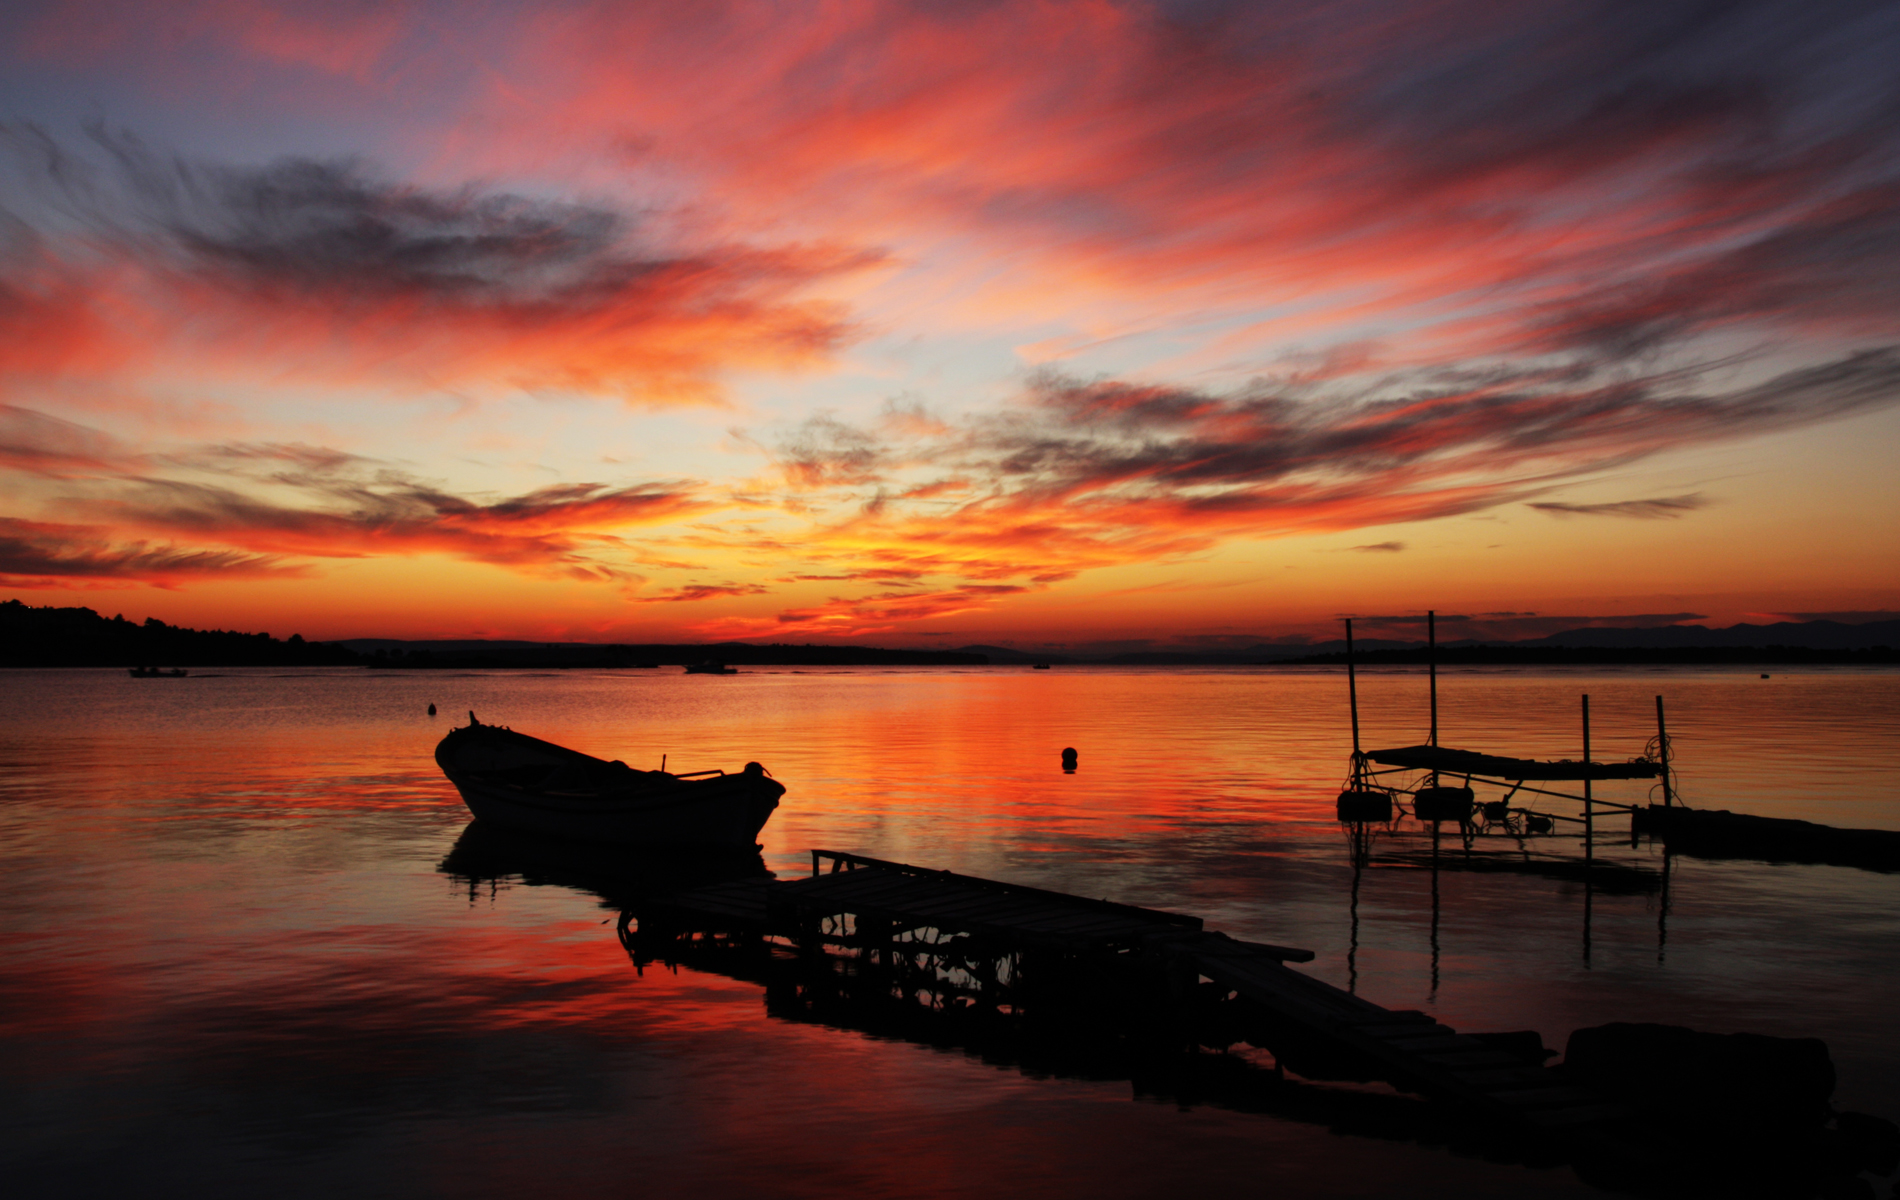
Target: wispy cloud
{"type": "Point", "coordinates": [1082, 474]}
{"type": "Point", "coordinates": [337, 267]}
{"type": "Point", "coordinates": [36, 554]}
{"type": "Point", "coordinates": [1381, 547]}
{"type": "Point", "coordinates": [1513, 626]}
{"type": "Point", "coordinates": [1852, 616]}
{"type": "Point", "coordinates": [880, 612]}
{"type": "Point", "coordinates": [694, 592]}
{"type": "Point", "coordinates": [271, 507]}
{"type": "Point", "coordinates": [1658, 508]}
{"type": "Point", "coordinates": [39, 444]}
{"type": "Point", "coordinates": [566, 530]}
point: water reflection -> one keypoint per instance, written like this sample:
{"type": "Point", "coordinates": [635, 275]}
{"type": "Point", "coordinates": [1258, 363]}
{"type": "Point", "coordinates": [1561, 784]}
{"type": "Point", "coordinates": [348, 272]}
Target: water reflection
{"type": "Point", "coordinates": [1662, 911]}
{"type": "Point", "coordinates": [1480, 855]}
{"type": "Point", "coordinates": [296, 981]}
{"type": "Point", "coordinates": [1074, 1021]}
{"type": "Point", "coordinates": [620, 877]}
{"type": "Point", "coordinates": [1071, 1026]}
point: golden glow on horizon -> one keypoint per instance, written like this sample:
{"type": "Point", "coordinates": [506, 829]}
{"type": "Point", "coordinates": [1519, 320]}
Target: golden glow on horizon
{"type": "Point", "coordinates": [1065, 322]}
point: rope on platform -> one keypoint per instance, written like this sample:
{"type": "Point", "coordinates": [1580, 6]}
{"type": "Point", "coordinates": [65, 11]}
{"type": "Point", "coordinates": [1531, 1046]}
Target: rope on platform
{"type": "Point", "coordinates": [1660, 749]}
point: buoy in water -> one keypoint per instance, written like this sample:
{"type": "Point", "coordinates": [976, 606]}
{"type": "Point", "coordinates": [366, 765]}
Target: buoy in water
{"type": "Point", "coordinates": [1364, 807]}
{"type": "Point", "coordinates": [1069, 759]}
{"type": "Point", "coordinates": [432, 710]}
{"type": "Point", "coordinates": [1764, 675]}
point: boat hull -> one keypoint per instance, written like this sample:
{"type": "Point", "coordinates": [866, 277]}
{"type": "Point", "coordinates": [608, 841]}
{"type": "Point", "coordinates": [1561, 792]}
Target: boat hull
{"type": "Point", "coordinates": [512, 781]}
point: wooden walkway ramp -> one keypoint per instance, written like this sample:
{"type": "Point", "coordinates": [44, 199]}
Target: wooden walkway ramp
{"type": "Point", "coordinates": [980, 942]}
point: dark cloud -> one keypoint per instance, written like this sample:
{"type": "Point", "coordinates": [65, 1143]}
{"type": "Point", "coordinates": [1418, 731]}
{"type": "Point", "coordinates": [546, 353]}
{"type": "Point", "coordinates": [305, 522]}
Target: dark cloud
{"type": "Point", "coordinates": [553, 292]}
{"type": "Point", "coordinates": [302, 457]}
{"type": "Point", "coordinates": [851, 616]}
{"type": "Point", "coordinates": [1384, 547]}
{"type": "Point", "coordinates": [1835, 263]}
{"type": "Point", "coordinates": [1109, 433]}
{"type": "Point", "coordinates": [562, 529]}
{"type": "Point", "coordinates": [1516, 626]}
{"type": "Point", "coordinates": [39, 444]}
{"type": "Point", "coordinates": [1080, 452]}
{"type": "Point", "coordinates": [47, 554]}
{"type": "Point", "coordinates": [1659, 508]}
{"type": "Point", "coordinates": [342, 505]}
{"type": "Point", "coordinates": [824, 450]}
{"type": "Point", "coordinates": [701, 591]}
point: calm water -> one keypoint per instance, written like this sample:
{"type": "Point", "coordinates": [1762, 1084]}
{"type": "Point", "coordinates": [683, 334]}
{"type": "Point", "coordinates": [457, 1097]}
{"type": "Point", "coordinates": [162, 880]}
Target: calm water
{"type": "Point", "coordinates": [233, 963]}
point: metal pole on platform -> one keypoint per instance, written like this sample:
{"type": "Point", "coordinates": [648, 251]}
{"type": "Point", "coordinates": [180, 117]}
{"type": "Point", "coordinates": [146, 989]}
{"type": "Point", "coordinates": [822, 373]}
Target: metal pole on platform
{"type": "Point", "coordinates": [1662, 750]}
{"type": "Point", "coordinates": [1589, 812]}
{"type": "Point", "coordinates": [1352, 695]}
{"type": "Point", "coordinates": [1431, 659]}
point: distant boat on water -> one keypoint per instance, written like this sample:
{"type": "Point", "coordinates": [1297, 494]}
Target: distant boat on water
{"type": "Point", "coordinates": [155, 673]}
{"type": "Point", "coordinates": [709, 668]}
{"type": "Point", "coordinates": [514, 781]}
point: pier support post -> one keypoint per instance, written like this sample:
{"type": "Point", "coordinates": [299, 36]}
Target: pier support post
{"type": "Point", "coordinates": [1352, 697]}
{"type": "Point", "coordinates": [1358, 773]}
{"type": "Point", "coordinates": [1662, 751]}
{"type": "Point", "coordinates": [1589, 810]}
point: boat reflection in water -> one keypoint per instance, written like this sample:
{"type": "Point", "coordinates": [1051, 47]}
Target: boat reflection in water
{"type": "Point", "coordinates": [620, 876]}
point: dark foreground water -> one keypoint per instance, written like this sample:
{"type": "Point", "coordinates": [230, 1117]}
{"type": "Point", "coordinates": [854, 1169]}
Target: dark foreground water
{"type": "Point", "coordinates": [233, 963]}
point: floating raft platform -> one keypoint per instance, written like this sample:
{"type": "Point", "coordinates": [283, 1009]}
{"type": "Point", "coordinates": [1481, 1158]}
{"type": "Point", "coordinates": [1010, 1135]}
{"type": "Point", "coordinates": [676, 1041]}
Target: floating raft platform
{"type": "Point", "coordinates": [1718, 833]}
{"type": "Point", "coordinates": [962, 943]}
{"type": "Point", "coordinates": [1446, 761]}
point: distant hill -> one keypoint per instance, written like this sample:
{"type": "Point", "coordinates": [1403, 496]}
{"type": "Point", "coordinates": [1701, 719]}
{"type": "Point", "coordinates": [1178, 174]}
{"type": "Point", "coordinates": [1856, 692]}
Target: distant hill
{"type": "Point", "coordinates": [1003, 654]}
{"type": "Point", "coordinates": [1782, 642]}
{"type": "Point", "coordinates": [1812, 635]}
{"type": "Point", "coordinates": [80, 637]}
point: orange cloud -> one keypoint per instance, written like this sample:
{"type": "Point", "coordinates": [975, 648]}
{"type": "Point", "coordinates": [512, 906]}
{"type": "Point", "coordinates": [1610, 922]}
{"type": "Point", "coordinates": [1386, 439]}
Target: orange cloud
{"type": "Point", "coordinates": [39, 554]}
{"type": "Point", "coordinates": [329, 266]}
{"type": "Point", "coordinates": [694, 592]}
{"type": "Point", "coordinates": [275, 501]}
{"type": "Point", "coordinates": [39, 444]}
{"type": "Point", "coordinates": [860, 616]}
{"type": "Point", "coordinates": [565, 530]}
{"type": "Point", "coordinates": [1086, 475]}
{"type": "Point", "coordinates": [1121, 158]}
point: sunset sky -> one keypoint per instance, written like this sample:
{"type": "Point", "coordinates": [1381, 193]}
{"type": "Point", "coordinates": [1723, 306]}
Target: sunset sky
{"type": "Point", "coordinates": [1079, 324]}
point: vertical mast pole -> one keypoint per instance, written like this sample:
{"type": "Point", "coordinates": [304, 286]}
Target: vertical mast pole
{"type": "Point", "coordinates": [1589, 811]}
{"type": "Point", "coordinates": [1431, 657]}
{"type": "Point", "coordinates": [1662, 750]}
{"type": "Point", "coordinates": [1352, 696]}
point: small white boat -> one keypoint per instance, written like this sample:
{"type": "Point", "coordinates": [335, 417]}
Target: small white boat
{"type": "Point", "coordinates": [514, 781]}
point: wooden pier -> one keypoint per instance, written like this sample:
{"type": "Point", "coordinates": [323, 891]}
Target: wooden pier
{"type": "Point", "coordinates": [958, 944]}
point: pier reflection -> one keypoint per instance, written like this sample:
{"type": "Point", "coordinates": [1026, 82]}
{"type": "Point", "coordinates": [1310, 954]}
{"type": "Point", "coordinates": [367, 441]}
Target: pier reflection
{"type": "Point", "coordinates": [1184, 1049]}
{"type": "Point", "coordinates": [1072, 1031]}
{"type": "Point", "coordinates": [1047, 1012]}
{"type": "Point", "coordinates": [1426, 849]}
